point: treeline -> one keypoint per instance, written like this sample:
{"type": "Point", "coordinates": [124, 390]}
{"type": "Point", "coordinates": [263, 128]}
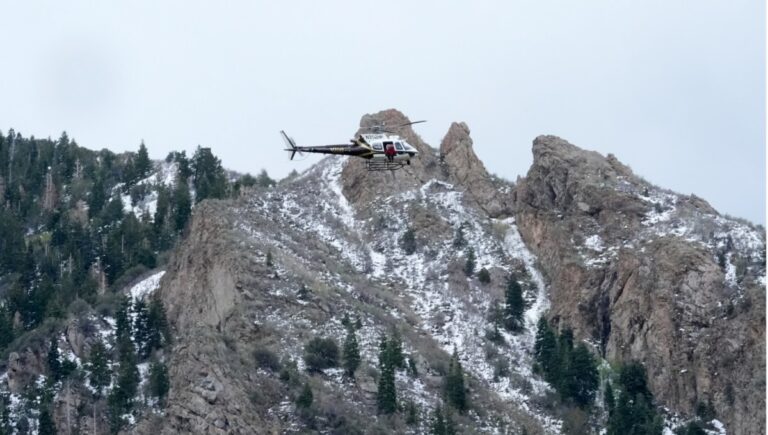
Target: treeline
{"type": "Point", "coordinates": [75, 227]}
{"type": "Point", "coordinates": [64, 231]}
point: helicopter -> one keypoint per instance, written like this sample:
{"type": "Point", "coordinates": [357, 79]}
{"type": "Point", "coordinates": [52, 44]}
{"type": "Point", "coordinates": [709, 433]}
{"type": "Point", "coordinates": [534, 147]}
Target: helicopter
{"type": "Point", "coordinates": [383, 149]}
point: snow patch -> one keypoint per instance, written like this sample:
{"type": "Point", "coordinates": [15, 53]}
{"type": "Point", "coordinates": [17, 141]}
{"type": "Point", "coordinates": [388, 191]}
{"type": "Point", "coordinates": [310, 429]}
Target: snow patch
{"type": "Point", "coordinates": [146, 286]}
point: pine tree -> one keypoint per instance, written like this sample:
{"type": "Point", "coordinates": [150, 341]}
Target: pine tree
{"type": "Point", "coordinates": [45, 425]}
{"type": "Point", "coordinates": [634, 413]}
{"type": "Point", "coordinates": [159, 334]}
{"type": "Point", "coordinates": [633, 380]}
{"type": "Point", "coordinates": [141, 328]}
{"type": "Point", "coordinates": [580, 378]}
{"type": "Point", "coordinates": [411, 413]}
{"type": "Point", "coordinates": [209, 178]}
{"type": "Point", "coordinates": [458, 240]}
{"type": "Point", "coordinates": [438, 422]}
{"type": "Point", "coordinates": [142, 165]}
{"type": "Point", "coordinates": [263, 180]}
{"type": "Point", "coordinates": [408, 241]}
{"type": "Point", "coordinates": [563, 361]}
{"type": "Point", "coordinates": [450, 426]}
{"type": "Point", "coordinates": [6, 328]}
{"type": "Point", "coordinates": [159, 383]}
{"type": "Point", "coordinates": [123, 325]}
{"type": "Point", "coordinates": [182, 204]}
{"type": "Point", "coordinates": [54, 364]}
{"type": "Point", "coordinates": [97, 199]}
{"type": "Point", "coordinates": [305, 397]}
{"type": "Point", "coordinates": [545, 351]}
{"type": "Point", "coordinates": [387, 394]}
{"type": "Point", "coordinates": [469, 265]}
{"type": "Point", "coordinates": [98, 366]}
{"type": "Point", "coordinates": [5, 410]}
{"type": "Point", "coordinates": [127, 377]}
{"type": "Point", "coordinates": [351, 354]}
{"type": "Point", "coordinates": [610, 401]}
{"type": "Point", "coordinates": [115, 410]}
{"type": "Point", "coordinates": [113, 212]}
{"type": "Point", "coordinates": [514, 307]}
{"type": "Point", "coordinates": [454, 384]}
{"type": "Point", "coordinates": [484, 276]}
{"type": "Point", "coordinates": [396, 350]}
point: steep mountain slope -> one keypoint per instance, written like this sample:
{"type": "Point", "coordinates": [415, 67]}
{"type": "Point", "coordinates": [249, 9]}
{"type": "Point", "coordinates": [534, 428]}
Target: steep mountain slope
{"type": "Point", "coordinates": [638, 272]}
{"type": "Point", "coordinates": [226, 303]}
{"type": "Point", "coordinates": [653, 276]}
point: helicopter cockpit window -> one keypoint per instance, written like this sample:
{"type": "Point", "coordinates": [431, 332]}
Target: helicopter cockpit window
{"type": "Point", "coordinates": [377, 146]}
{"type": "Point", "coordinates": [398, 146]}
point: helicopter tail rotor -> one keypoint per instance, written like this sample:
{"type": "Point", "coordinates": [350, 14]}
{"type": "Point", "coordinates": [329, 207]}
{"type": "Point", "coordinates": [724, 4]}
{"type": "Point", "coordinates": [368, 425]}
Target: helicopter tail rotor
{"type": "Point", "coordinates": [291, 143]}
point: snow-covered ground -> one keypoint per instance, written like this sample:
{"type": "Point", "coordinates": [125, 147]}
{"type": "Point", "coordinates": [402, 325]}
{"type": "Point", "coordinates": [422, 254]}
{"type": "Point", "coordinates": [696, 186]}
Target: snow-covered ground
{"type": "Point", "coordinates": [146, 286]}
{"type": "Point", "coordinates": [450, 318]}
{"type": "Point", "coordinates": [163, 174]}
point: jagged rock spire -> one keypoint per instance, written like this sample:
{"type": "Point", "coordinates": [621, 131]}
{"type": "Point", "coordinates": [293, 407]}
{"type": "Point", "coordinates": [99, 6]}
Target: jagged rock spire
{"type": "Point", "coordinates": [464, 169]}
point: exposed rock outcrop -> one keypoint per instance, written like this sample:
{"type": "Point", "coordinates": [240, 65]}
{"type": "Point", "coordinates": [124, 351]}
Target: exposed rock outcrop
{"type": "Point", "coordinates": [455, 162]}
{"type": "Point", "coordinates": [207, 394]}
{"type": "Point", "coordinates": [465, 169]}
{"type": "Point", "coordinates": [23, 368]}
{"type": "Point", "coordinates": [361, 186]}
{"type": "Point", "coordinates": [635, 269]}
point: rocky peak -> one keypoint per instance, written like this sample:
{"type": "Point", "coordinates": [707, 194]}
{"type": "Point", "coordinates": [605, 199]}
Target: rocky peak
{"type": "Point", "coordinates": [361, 186]}
{"type": "Point", "coordinates": [466, 170]}
{"type": "Point", "coordinates": [650, 275]}
{"type": "Point", "coordinates": [455, 163]}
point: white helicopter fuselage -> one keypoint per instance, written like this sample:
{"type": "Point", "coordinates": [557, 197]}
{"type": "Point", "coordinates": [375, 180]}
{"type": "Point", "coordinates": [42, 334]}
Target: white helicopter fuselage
{"type": "Point", "coordinates": [379, 141]}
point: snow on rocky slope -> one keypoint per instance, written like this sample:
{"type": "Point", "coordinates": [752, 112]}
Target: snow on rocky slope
{"type": "Point", "coordinates": [429, 287]}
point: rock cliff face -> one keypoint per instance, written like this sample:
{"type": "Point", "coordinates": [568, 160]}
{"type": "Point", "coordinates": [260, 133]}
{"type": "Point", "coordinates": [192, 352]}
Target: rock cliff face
{"type": "Point", "coordinates": [642, 273]}
{"type": "Point", "coordinates": [465, 169]}
{"type": "Point", "coordinates": [651, 276]}
{"type": "Point", "coordinates": [206, 394]}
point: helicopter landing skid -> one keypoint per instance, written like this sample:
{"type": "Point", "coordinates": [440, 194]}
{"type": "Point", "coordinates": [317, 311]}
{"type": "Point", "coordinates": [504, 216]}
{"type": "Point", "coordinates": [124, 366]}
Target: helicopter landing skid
{"type": "Point", "coordinates": [384, 166]}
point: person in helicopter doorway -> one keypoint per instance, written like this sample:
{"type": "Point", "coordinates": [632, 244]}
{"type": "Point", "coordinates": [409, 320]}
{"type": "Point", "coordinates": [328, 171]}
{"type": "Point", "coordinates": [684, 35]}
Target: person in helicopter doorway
{"type": "Point", "coordinates": [389, 151]}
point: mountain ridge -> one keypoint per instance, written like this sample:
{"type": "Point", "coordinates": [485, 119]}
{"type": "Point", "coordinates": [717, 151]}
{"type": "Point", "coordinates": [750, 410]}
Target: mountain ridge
{"type": "Point", "coordinates": [575, 209]}
{"type": "Point", "coordinates": [625, 270]}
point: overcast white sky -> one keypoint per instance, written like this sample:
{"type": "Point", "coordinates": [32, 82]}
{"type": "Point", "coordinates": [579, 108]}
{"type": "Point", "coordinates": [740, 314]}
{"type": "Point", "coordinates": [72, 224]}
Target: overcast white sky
{"type": "Point", "coordinates": [675, 89]}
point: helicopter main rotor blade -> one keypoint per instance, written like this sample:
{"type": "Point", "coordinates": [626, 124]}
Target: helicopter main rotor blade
{"type": "Point", "coordinates": [412, 122]}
